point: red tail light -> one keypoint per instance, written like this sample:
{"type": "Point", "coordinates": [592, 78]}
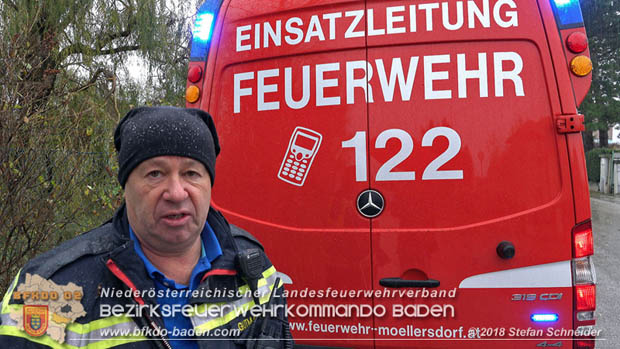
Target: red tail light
{"type": "Point", "coordinates": [584, 344]}
{"type": "Point", "coordinates": [577, 42]}
{"type": "Point", "coordinates": [194, 74]}
{"type": "Point", "coordinates": [583, 244]}
{"type": "Point", "coordinates": [585, 297]}
{"type": "Point", "coordinates": [584, 284]}
{"type": "Point", "coordinates": [194, 78]}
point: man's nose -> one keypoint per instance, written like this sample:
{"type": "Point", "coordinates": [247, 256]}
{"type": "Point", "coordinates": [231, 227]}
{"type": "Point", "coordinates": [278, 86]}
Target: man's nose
{"type": "Point", "coordinates": [175, 189]}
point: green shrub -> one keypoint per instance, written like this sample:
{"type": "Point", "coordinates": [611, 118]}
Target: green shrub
{"type": "Point", "coordinates": [593, 163]}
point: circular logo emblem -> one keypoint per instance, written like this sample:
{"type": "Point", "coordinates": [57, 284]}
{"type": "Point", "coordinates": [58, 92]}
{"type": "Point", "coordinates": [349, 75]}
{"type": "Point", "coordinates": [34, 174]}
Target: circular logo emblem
{"type": "Point", "coordinates": [370, 203]}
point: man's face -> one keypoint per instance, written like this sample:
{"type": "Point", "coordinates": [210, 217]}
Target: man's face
{"type": "Point", "coordinates": [167, 201]}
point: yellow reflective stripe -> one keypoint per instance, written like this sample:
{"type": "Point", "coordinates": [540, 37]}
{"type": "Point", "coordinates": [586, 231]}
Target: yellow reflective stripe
{"type": "Point", "coordinates": [267, 273]}
{"type": "Point", "coordinates": [231, 315]}
{"type": "Point", "coordinates": [84, 328]}
{"type": "Point", "coordinates": [46, 340]}
{"type": "Point", "coordinates": [6, 308]}
{"type": "Point", "coordinates": [108, 343]}
{"type": "Point", "coordinates": [12, 308]}
{"type": "Point", "coordinates": [244, 289]}
{"type": "Point", "coordinates": [97, 324]}
{"type": "Point", "coordinates": [261, 282]}
{"type": "Point", "coordinates": [265, 298]}
{"type": "Point", "coordinates": [221, 321]}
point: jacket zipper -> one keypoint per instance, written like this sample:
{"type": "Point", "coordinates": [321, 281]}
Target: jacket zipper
{"type": "Point", "coordinates": [119, 274]}
{"type": "Point", "coordinates": [158, 329]}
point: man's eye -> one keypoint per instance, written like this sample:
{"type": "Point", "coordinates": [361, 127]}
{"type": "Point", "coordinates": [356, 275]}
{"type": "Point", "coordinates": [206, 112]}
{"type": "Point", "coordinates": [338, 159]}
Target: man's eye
{"type": "Point", "coordinates": [154, 174]}
{"type": "Point", "coordinates": [193, 174]}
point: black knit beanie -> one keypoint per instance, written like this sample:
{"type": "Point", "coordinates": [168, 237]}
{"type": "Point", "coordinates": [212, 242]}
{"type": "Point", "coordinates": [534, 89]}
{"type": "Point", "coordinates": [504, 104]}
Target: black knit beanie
{"type": "Point", "coordinates": [147, 132]}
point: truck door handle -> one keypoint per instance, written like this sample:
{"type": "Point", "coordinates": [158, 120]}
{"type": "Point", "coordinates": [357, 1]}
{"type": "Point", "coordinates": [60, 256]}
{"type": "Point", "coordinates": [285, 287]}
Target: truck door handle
{"type": "Point", "coordinates": [398, 283]}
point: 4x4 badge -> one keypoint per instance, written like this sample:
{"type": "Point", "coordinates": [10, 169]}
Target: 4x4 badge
{"type": "Point", "coordinates": [370, 203]}
{"type": "Point", "coordinates": [547, 345]}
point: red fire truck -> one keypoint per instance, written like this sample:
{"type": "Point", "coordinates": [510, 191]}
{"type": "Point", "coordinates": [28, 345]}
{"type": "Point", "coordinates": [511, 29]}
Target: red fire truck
{"type": "Point", "coordinates": [414, 169]}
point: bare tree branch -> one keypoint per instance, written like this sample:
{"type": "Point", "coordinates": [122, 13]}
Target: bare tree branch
{"type": "Point", "coordinates": [119, 49]}
{"type": "Point", "coordinates": [75, 48]}
{"type": "Point", "coordinates": [93, 79]}
{"type": "Point", "coordinates": [83, 49]}
{"type": "Point", "coordinates": [109, 37]}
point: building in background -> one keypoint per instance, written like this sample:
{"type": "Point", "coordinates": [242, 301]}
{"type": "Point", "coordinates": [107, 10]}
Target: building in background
{"type": "Point", "coordinates": [613, 136]}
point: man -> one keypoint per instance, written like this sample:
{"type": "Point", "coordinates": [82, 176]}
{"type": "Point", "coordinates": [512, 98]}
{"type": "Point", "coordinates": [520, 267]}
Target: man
{"type": "Point", "coordinates": [167, 271]}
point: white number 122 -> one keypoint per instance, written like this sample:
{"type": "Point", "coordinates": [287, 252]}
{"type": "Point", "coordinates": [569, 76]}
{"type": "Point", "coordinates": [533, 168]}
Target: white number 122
{"type": "Point", "coordinates": [386, 173]}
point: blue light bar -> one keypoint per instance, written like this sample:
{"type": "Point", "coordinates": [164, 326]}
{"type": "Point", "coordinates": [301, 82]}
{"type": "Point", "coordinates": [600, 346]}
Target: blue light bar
{"type": "Point", "coordinates": [202, 27]}
{"type": "Point", "coordinates": [202, 34]}
{"type": "Point", "coordinates": [568, 13]}
{"type": "Point", "coordinates": [544, 317]}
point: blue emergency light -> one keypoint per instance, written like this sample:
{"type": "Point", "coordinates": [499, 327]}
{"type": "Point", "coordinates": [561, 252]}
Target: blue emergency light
{"type": "Point", "coordinates": [203, 29]}
{"type": "Point", "coordinates": [568, 13]}
{"type": "Point", "coordinates": [544, 317]}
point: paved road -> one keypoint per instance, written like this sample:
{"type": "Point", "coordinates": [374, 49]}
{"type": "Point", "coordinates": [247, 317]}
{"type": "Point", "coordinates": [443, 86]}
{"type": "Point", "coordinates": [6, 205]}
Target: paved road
{"type": "Point", "coordinates": [606, 226]}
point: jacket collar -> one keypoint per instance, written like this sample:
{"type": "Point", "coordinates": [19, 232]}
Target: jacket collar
{"type": "Point", "coordinates": [128, 261]}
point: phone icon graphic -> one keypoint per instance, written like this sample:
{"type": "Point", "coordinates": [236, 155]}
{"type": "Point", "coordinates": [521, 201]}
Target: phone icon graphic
{"type": "Point", "coordinates": [302, 148]}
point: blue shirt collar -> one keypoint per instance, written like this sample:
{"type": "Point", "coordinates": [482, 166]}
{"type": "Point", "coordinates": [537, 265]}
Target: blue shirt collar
{"type": "Point", "coordinates": [211, 249]}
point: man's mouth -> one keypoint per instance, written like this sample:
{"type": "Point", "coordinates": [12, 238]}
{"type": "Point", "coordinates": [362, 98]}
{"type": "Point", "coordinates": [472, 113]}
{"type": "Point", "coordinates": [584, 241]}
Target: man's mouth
{"type": "Point", "coordinates": [176, 219]}
{"type": "Point", "coordinates": [176, 216]}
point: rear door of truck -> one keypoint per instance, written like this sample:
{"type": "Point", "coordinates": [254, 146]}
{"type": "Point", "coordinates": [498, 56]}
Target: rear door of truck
{"type": "Point", "coordinates": [278, 93]}
{"type": "Point", "coordinates": [467, 157]}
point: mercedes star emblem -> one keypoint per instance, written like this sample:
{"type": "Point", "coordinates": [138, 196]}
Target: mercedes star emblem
{"type": "Point", "coordinates": [370, 203]}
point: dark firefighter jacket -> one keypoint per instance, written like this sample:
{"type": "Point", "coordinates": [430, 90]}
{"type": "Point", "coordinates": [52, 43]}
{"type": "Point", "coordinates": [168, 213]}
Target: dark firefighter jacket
{"type": "Point", "coordinates": [104, 260]}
